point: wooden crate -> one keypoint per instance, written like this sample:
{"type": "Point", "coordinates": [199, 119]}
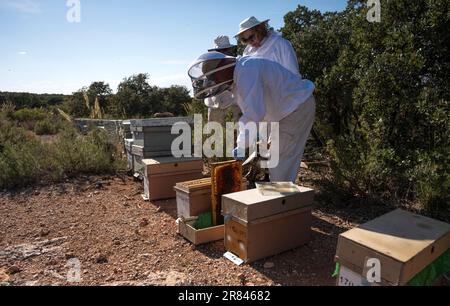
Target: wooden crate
{"type": "Point", "coordinates": [403, 242]}
{"type": "Point", "coordinates": [198, 237]}
{"type": "Point", "coordinates": [258, 226]}
{"type": "Point", "coordinates": [163, 173]}
{"type": "Point", "coordinates": [194, 197]}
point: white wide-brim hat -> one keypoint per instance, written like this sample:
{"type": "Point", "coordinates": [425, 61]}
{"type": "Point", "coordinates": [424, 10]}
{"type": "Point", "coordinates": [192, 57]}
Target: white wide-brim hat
{"type": "Point", "coordinates": [248, 24]}
{"type": "Point", "coordinates": [221, 43]}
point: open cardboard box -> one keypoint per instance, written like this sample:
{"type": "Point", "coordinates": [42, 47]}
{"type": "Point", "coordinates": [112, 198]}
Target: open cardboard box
{"type": "Point", "coordinates": [198, 237]}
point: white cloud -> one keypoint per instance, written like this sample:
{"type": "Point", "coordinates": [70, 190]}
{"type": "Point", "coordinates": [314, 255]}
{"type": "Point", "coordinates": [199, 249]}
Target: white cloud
{"type": "Point", "coordinates": [21, 6]}
{"type": "Point", "coordinates": [23, 53]}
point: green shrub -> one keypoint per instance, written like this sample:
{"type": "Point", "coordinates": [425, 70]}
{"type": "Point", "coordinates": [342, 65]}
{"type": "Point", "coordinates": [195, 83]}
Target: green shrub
{"type": "Point", "coordinates": [382, 98]}
{"type": "Point", "coordinates": [29, 114]}
{"type": "Point", "coordinates": [47, 127]}
{"type": "Point", "coordinates": [25, 161]}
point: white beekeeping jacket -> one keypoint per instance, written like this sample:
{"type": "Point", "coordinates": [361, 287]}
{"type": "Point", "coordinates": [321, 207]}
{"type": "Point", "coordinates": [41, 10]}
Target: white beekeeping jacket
{"type": "Point", "coordinates": [222, 101]}
{"type": "Point", "coordinates": [266, 91]}
{"type": "Point", "coordinates": [277, 49]}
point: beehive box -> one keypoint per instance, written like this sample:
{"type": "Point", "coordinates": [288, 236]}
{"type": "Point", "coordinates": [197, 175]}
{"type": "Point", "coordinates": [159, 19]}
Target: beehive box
{"type": "Point", "coordinates": [194, 197]}
{"type": "Point", "coordinates": [404, 243]}
{"type": "Point", "coordinates": [258, 226]}
{"type": "Point", "coordinates": [163, 173]}
{"type": "Point", "coordinates": [126, 129]}
{"type": "Point", "coordinates": [128, 151]}
{"type": "Point", "coordinates": [155, 135]}
{"type": "Point", "coordinates": [139, 153]}
{"type": "Point", "coordinates": [198, 237]}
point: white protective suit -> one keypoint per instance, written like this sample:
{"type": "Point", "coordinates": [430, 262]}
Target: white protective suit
{"type": "Point", "coordinates": [274, 47]}
{"type": "Point", "coordinates": [266, 91]}
{"type": "Point", "coordinates": [219, 106]}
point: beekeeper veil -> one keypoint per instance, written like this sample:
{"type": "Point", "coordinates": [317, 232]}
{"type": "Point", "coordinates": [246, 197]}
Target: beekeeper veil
{"type": "Point", "coordinates": [203, 74]}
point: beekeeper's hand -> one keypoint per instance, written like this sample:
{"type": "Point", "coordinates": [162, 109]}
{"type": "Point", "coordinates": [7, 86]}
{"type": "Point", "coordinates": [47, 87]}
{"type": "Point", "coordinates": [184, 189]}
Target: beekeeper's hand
{"type": "Point", "coordinates": [239, 154]}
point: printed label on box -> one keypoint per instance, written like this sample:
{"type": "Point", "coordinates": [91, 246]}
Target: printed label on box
{"type": "Point", "coordinates": [348, 278]}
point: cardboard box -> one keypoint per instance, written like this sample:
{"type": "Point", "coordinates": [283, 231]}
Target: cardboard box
{"type": "Point", "coordinates": [194, 197]}
{"type": "Point", "coordinates": [259, 226]}
{"type": "Point", "coordinates": [403, 242]}
{"type": "Point", "coordinates": [163, 173]}
{"type": "Point", "coordinates": [198, 237]}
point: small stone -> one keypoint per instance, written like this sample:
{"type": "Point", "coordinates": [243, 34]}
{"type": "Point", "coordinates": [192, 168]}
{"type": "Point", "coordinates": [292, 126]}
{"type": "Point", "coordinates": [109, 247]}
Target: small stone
{"type": "Point", "coordinates": [143, 223]}
{"type": "Point", "coordinates": [44, 232]}
{"type": "Point", "coordinates": [101, 259]}
{"type": "Point", "coordinates": [269, 265]}
{"type": "Point", "coordinates": [242, 278]}
{"type": "Point", "coordinates": [70, 256]}
{"type": "Point", "coordinates": [13, 270]}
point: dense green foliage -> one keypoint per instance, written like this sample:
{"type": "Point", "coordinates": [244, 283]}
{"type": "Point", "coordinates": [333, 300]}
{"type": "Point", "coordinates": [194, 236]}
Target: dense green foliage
{"type": "Point", "coordinates": [383, 97]}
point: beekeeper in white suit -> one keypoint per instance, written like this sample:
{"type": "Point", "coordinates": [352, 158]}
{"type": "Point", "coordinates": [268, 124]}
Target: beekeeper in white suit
{"type": "Point", "coordinates": [220, 105]}
{"type": "Point", "coordinates": [262, 41]}
{"type": "Point", "coordinates": [265, 91]}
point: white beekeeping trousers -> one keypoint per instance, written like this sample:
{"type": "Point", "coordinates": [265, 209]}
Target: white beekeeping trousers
{"type": "Point", "coordinates": [294, 132]}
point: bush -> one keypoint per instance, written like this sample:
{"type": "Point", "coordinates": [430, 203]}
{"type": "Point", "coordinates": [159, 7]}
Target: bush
{"type": "Point", "coordinates": [383, 97]}
{"type": "Point", "coordinates": [29, 114]}
{"type": "Point", "coordinates": [47, 127]}
{"type": "Point", "coordinates": [25, 161]}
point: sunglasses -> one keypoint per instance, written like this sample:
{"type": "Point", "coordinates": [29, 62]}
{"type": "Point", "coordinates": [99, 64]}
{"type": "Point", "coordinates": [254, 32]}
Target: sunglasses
{"type": "Point", "coordinates": [248, 39]}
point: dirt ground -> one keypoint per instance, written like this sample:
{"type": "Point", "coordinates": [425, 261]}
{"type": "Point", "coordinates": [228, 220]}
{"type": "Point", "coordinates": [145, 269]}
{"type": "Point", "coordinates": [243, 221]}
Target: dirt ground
{"type": "Point", "coordinates": [104, 225]}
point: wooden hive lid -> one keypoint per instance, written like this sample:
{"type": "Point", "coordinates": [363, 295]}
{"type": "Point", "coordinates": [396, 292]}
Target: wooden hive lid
{"type": "Point", "coordinates": [400, 235]}
{"type": "Point", "coordinates": [195, 185]}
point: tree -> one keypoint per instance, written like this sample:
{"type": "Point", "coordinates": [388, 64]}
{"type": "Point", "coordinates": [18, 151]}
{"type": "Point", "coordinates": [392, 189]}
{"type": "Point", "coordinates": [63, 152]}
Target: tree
{"type": "Point", "coordinates": [173, 99]}
{"type": "Point", "coordinates": [100, 91]}
{"type": "Point", "coordinates": [76, 105]}
{"type": "Point", "coordinates": [383, 97]}
{"type": "Point", "coordinates": [134, 97]}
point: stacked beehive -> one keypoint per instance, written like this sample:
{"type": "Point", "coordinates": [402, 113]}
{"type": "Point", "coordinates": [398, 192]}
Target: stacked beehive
{"type": "Point", "coordinates": [153, 138]}
{"type": "Point", "coordinates": [150, 157]}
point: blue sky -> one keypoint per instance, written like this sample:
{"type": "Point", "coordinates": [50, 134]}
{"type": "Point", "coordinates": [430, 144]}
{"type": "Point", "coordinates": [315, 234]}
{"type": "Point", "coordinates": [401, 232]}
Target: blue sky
{"type": "Point", "coordinates": [41, 52]}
